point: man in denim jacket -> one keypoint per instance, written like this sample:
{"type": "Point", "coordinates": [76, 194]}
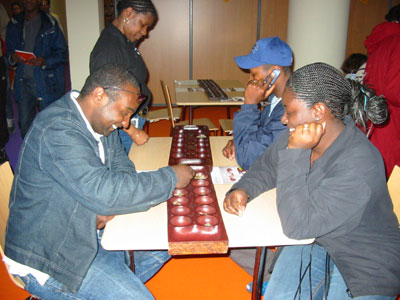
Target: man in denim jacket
{"type": "Point", "coordinates": [39, 81]}
{"type": "Point", "coordinates": [71, 170]}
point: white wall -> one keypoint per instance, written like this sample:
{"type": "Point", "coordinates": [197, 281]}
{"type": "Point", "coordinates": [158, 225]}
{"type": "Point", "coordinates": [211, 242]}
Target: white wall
{"type": "Point", "coordinates": [85, 20]}
{"type": "Point", "coordinates": [317, 31]}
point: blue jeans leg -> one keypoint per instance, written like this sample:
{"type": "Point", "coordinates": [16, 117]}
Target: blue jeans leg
{"type": "Point", "coordinates": [27, 106]}
{"type": "Point", "coordinates": [147, 263]}
{"type": "Point", "coordinates": [284, 281]}
{"type": "Point", "coordinates": [338, 289]}
{"type": "Point", "coordinates": [109, 277]}
{"type": "Point", "coordinates": [292, 264]}
{"type": "Point", "coordinates": [141, 122]}
{"type": "Point", "coordinates": [9, 108]}
{"type": "Point", "coordinates": [125, 138]}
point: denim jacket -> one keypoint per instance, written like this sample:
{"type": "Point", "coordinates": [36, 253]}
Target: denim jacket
{"type": "Point", "coordinates": [50, 44]}
{"type": "Point", "coordinates": [255, 130]}
{"type": "Point", "coordinates": [61, 185]}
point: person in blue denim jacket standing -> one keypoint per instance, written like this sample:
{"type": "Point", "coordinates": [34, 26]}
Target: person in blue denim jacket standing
{"type": "Point", "coordinates": [39, 81]}
{"type": "Point", "coordinates": [73, 175]}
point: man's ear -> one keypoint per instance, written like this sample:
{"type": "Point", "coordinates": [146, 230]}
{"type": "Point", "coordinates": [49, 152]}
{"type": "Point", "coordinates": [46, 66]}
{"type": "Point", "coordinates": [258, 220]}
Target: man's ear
{"type": "Point", "coordinates": [319, 111]}
{"type": "Point", "coordinates": [99, 96]}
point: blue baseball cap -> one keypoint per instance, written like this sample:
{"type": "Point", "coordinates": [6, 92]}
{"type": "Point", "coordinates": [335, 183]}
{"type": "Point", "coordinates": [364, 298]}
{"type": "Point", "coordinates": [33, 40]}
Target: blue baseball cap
{"type": "Point", "coordinates": [270, 50]}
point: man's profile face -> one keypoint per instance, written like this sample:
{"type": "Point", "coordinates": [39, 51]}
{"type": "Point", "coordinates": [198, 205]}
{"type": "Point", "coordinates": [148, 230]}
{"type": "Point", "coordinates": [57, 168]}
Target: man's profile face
{"type": "Point", "coordinates": [116, 114]}
{"type": "Point", "coordinates": [258, 73]}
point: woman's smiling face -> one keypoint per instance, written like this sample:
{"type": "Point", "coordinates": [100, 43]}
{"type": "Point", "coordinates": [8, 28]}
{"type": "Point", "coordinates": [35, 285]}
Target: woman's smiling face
{"type": "Point", "coordinates": [137, 25]}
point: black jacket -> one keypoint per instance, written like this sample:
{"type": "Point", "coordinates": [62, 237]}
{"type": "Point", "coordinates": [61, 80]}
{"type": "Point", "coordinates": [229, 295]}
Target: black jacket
{"type": "Point", "coordinates": [113, 47]}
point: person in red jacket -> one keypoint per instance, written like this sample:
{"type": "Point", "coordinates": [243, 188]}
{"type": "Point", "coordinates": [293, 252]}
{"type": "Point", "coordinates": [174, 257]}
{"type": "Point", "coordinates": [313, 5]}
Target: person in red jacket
{"type": "Point", "coordinates": [383, 76]}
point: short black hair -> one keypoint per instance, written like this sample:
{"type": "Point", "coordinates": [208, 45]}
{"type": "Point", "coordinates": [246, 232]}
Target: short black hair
{"type": "Point", "coordinates": [16, 3]}
{"type": "Point", "coordinates": [140, 6]}
{"type": "Point", "coordinates": [288, 70]}
{"type": "Point", "coordinates": [353, 62]}
{"type": "Point", "coordinates": [109, 75]}
{"type": "Point", "coordinates": [394, 14]}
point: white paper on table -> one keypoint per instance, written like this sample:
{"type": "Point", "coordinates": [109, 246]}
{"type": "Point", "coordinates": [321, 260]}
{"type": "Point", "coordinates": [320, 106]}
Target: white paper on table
{"type": "Point", "coordinates": [226, 175]}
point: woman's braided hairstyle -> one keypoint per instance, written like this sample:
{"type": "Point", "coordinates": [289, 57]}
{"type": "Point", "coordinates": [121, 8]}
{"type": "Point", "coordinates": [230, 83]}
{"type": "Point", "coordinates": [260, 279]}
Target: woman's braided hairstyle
{"type": "Point", "coordinates": [320, 82]}
{"type": "Point", "coordinates": [140, 6]}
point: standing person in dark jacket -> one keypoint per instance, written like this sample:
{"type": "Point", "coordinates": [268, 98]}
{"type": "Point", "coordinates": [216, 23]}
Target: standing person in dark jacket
{"type": "Point", "coordinates": [331, 186]}
{"type": "Point", "coordinates": [118, 44]}
{"type": "Point", "coordinates": [39, 81]}
{"type": "Point", "coordinates": [254, 130]}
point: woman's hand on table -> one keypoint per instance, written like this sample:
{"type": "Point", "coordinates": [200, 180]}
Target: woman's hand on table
{"type": "Point", "coordinates": [236, 201]}
{"type": "Point", "coordinates": [138, 136]}
{"type": "Point", "coordinates": [184, 174]}
{"type": "Point", "coordinates": [229, 150]}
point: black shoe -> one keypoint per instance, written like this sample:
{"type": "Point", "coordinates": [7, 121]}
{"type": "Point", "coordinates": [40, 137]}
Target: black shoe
{"type": "Point", "coordinates": [3, 156]}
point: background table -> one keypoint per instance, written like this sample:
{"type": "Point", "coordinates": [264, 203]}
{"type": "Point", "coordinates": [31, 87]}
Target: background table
{"type": "Point", "coordinates": [189, 93]}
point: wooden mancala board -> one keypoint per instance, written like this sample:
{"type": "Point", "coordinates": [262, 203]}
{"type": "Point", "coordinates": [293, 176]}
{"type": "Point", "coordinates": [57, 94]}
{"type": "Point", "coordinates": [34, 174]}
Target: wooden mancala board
{"type": "Point", "coordinates": [195, 224]}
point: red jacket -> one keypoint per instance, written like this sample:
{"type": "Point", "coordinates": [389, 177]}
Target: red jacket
{"type": "Point", "coordinates": [383, 76]}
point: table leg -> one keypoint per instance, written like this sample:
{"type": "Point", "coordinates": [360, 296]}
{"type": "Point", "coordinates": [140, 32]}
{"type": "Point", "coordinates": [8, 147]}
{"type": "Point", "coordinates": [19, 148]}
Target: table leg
{"type": "Point", "coordinates": [258, 275]}
{"type": "Point", "coordinates": [183, 115]}
{"type": "Point", "coordinates": [132, 260]}
{"type": "Point", "coordinates": [190, 115]}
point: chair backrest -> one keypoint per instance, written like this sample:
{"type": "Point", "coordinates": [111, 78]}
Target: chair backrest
{"type": "Point", "coordinates": [394, 190]}
{"type": "Point", "coordinates": [6, 179]}
{"type": "Point", "coordinates": [167, 98]}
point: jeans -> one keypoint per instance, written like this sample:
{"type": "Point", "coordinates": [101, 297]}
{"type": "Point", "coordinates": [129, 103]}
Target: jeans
{"type": "Point", "coordinates": [109, 277]}
{"type": "Point", "coordinates": [9, 108]}
{"type": "Point", "coordinates": [125, 138]}
{"type": "Point", "coordinates": [3, 98]}
{"type": "Point", "coordinates": [284, 281]}
{"type": "Point", "coordinates": [27, 106]}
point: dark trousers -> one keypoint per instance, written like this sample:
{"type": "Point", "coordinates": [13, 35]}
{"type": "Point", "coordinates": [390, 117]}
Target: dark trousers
{"type": "Point", "coordinates": [3, 100]}
{"type": "Point", "coordinates": [28, 105]}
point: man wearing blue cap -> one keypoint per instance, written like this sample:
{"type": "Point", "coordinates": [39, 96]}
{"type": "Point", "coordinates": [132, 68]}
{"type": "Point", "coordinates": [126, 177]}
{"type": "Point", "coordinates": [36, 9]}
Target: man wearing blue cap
{"type": "Point", "coordinates": [255, 130]}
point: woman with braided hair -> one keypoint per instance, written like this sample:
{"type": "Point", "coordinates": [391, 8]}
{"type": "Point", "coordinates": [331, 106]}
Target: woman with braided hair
{"type": "Point", "coordinates": [118, 44]}
{"type": "Point", "coordinates": [331, 186]}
